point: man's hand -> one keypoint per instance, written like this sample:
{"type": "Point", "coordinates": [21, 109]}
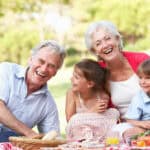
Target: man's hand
{"type": "Point", "coordinates": [10, 121]}
{"type": "Point", "coordinates": [37, 136]}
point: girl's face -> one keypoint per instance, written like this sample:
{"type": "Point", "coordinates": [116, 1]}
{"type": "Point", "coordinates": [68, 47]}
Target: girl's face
{"type": "Point", "coordinates": [145, 82]}
{"type": "Point", "coordinates": [79, 82]}
{"type": "Point", "coordinates": [105, 45]}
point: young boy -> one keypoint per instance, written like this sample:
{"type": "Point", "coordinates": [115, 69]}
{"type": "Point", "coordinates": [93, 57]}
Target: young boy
{"type": "Point", "coordinates": [138, 114]}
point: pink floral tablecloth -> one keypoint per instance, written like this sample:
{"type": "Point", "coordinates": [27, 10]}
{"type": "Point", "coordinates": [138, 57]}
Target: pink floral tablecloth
{"type": "Point", "coordinates": [8, 146]}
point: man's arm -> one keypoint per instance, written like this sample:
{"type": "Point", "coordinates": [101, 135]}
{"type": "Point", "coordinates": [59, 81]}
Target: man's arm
{"type": "Point", "coordinates": [10, 121]}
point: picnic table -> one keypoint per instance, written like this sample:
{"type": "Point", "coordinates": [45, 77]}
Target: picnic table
{"type": "Point", "coordinates": [9, 146]}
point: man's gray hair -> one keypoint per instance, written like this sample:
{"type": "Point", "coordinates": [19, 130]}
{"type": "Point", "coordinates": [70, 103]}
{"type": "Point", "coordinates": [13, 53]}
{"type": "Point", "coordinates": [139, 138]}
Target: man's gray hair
{"type": "Point", "coordinates": [53, 46]}
{"type": "Point", "coordinates": [105, 25]}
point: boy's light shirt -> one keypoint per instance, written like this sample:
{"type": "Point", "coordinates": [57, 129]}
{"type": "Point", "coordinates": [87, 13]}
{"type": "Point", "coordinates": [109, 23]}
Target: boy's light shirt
{"type": "Point", "coordinates": [139, 109]}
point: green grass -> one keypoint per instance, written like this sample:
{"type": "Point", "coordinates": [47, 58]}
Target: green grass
{"type": "Point", "coordinates": [59, 90]}
{"type": "Point", "coordinates": [58, 87]}
{"type": "Point", "coordinates": [59, 93]}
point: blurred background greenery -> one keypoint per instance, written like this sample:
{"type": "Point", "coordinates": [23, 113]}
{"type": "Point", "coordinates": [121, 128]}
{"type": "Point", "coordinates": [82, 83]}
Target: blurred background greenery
{"type": "Point", "coordinates": [24, 23]}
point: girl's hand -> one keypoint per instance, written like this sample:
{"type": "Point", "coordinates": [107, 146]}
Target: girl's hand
{"type": "Point", "coordinates": [100, 106]}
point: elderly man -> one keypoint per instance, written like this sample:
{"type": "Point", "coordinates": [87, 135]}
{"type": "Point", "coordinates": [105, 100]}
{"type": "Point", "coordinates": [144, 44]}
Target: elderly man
{"type": "Point", "coordinates": [24, 97]}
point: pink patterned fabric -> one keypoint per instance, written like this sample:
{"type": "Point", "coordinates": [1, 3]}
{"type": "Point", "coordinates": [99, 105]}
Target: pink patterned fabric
{"type": "Point", "coordinates": [91, 125]}
{"type": "Point", "coordinates": [8, 146]}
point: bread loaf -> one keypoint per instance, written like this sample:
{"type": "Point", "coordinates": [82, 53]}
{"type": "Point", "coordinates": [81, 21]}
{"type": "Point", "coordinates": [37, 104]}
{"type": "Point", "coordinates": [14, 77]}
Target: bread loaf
{"type": "Point", "coordinates": [50, 135]}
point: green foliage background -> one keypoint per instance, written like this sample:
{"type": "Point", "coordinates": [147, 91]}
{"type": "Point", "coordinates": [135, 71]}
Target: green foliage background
{"type": "Point", "coordinates": [22, 26]}
{"type": "Point", "coordinates": [18, 35]}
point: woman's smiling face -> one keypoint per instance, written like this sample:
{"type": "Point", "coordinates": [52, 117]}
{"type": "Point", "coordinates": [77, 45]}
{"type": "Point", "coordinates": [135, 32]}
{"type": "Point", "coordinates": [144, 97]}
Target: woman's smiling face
{"type": "Point", "coordinates": [105, 44]}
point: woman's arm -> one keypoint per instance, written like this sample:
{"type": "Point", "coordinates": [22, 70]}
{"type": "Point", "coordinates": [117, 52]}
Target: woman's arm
{"type": "Point", "coordinates": [70, 105]}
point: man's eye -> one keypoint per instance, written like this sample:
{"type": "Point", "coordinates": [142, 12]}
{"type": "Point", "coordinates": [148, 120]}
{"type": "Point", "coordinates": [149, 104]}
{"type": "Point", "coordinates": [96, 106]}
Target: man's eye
{"type": "Point", "coordinates": [51, 66]}
{"type": "Point", "coordinates": [108, 38]}
{"type": "Point", "coordinates": [41, 61]}
{"type": "Point", "coordinates": [97, 44]}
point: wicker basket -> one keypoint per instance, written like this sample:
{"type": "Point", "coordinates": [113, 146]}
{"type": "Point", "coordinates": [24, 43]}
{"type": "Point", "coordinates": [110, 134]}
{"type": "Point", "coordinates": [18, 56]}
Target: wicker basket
{"type": "Point", "coordinates": [34, 144]}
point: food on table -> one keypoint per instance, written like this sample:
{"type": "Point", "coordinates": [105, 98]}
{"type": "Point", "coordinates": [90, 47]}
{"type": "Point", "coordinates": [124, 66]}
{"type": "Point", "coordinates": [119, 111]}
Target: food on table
{"type": "Point", "coordinates": [112, 141]}
{"type": "Point", "coordinates": [50, 135]}
{"type": "Point", "coordinates": [141, 140]}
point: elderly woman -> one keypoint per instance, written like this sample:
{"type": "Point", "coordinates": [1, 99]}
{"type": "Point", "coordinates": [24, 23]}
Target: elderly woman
{"type": "Point", "coordinates": [103, 39]}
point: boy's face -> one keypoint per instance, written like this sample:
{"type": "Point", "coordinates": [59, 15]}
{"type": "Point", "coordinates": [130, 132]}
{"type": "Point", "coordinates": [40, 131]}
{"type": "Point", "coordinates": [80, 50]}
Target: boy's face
{"type": "Point", "coordinates": [145, 82]}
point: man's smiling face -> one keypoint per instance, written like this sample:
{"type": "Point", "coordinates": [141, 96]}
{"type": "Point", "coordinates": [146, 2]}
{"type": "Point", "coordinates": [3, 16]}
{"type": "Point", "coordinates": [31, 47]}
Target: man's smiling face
{"type": "Point", "coordinates": [42, 66]}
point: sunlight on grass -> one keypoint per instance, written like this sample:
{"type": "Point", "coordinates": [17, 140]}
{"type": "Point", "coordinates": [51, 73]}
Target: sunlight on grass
{"type": "Point", "coordinates": [59, 93]}
{"type": "Point", "coordinates": [59, 90]}
{"type": "Point", "coordinates": [58, 87]}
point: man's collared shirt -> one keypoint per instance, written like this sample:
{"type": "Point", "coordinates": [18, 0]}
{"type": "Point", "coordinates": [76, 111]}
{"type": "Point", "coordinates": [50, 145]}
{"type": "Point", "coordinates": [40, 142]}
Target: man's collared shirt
{"type": "Point", "coordinates": [37, 108]}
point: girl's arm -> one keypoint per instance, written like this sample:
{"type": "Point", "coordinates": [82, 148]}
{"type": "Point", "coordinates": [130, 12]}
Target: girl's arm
{"type": "Point", "coordinates": [70, 105]}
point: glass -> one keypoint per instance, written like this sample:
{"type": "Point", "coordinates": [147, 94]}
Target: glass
{"type": "Point", "coordinates": [113, 138]}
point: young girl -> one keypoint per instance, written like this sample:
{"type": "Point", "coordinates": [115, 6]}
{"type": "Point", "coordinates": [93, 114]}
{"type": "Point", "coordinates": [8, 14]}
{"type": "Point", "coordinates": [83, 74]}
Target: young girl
{"type": "Point", "coordinates": [86, 103]}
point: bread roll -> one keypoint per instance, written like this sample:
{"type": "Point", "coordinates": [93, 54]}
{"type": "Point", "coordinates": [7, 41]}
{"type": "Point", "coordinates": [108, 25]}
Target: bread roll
{"type": "Point", "coordinates": [50, 135]}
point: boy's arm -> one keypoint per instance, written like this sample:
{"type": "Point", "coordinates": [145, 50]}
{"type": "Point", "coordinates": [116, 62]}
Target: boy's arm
{"type": "Point", "coordinates": [134, 111]}
{"type": "Point", "coordinates": [139, 123]}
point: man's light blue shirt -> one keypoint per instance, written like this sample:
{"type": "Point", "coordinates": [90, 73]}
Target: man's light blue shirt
{"type": "Point", "coordinates": [38, 108]}
{"type": "Point", "coordinates": [139, 109]}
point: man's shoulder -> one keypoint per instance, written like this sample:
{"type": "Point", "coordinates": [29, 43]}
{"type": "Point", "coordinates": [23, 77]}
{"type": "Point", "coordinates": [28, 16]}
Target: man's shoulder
{"type": "Point", "coordinates": [9, 65]}
{"type": "Point", "coordinates": [49, 102]}
{"type": "Point", "coordinates": [49, 97]}
{"type": "Point", "coordinates": [8, 68]}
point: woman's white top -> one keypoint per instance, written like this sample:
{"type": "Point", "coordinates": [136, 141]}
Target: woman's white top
{"type": "Point", "coordinates": [122, 93]}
